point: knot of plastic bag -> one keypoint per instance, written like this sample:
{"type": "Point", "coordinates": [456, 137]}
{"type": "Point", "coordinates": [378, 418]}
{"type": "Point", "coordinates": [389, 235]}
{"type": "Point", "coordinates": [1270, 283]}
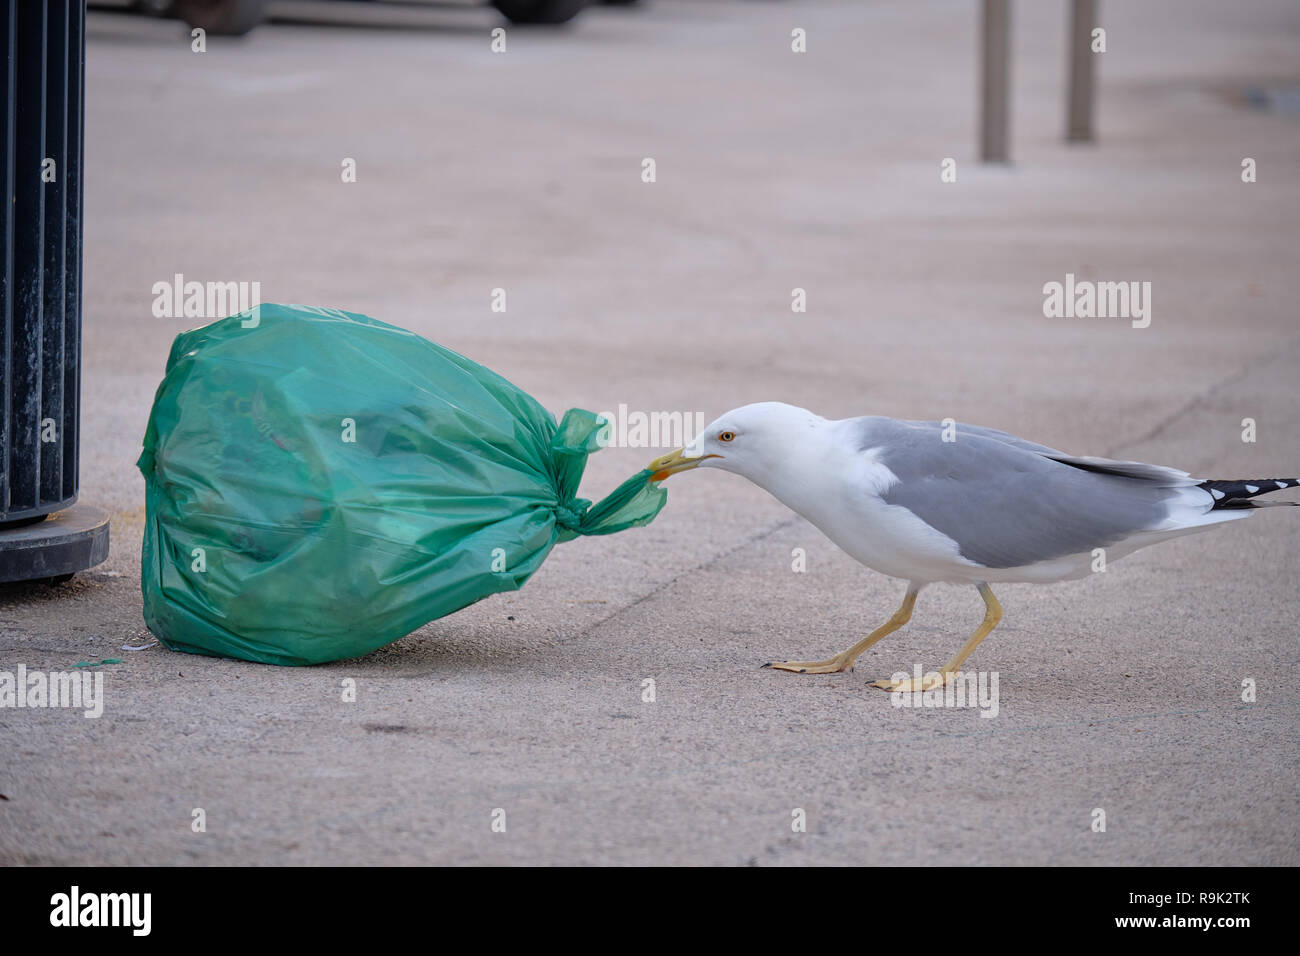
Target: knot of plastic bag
{"type": "Point", "coordinates": [571, 516]}
{"type": "Point", "coordinates": [630, 505]}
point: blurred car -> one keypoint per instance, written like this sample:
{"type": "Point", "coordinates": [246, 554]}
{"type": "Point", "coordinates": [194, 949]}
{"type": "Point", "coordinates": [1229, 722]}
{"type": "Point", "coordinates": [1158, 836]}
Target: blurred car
{"type": "Point", "coordinates": [237, 17]}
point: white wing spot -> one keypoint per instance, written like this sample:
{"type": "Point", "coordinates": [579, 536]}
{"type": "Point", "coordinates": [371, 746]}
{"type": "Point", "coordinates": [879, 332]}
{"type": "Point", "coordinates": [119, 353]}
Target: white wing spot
{"type": "Point", "coordinates": [1280, 484]}
{"type": "Point", "coordinates": [1252, 488]}
{"type": "Point", "coordinates": [1217, 493]}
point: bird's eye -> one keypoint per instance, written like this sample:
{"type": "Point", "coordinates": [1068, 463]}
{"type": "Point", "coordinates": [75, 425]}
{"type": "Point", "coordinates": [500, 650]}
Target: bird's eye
{"type": "Point", "coordinates": [726, 436]}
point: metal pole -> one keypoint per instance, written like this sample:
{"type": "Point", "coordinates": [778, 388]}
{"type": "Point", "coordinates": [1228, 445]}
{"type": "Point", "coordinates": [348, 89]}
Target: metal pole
{"type": "Point", "coordinates": [1078, 124]}
{"type": "Point", "coordinates": [995, 81]}
{"type": "Point", "coordinates": [45, 533]}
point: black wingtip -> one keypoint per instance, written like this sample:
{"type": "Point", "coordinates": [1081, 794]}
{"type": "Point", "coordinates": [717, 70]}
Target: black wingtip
{"type": "Point", "coordinates": [1238, 494]}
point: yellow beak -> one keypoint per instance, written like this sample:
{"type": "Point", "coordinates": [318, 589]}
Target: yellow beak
{"type": "Point", "coordinates": [674, 462]}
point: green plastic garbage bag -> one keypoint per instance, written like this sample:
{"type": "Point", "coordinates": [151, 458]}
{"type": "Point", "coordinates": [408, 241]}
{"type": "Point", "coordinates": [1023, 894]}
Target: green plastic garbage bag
{"type": "Point", "coordinates": [319, 484]}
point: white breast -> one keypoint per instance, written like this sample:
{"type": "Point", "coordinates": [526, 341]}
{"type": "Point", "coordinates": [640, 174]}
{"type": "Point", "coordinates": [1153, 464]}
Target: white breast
{"type": "Point", "coordinates": [840, 494]}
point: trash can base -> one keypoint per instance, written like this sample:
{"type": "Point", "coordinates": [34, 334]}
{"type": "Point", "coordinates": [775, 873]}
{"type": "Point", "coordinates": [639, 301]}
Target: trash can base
{"type": "Point", "coordinates": [64, 543]}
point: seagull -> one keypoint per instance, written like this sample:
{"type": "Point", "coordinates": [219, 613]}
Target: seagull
{"type": "Point", "coordinates": [933, 502]}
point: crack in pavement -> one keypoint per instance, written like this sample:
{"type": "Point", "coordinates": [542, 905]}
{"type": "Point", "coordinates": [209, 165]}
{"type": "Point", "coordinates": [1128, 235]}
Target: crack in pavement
{"type": "Point", "coordinates": [701, 566]}
{"type": "Point", "coordinates": [1200, 398]}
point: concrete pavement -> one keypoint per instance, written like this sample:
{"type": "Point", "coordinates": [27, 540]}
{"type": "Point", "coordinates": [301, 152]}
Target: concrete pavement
{"type": "Point", "coordinates": [775, 170]}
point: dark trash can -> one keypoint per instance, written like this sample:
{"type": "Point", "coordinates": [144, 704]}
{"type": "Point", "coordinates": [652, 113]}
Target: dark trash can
{"type": "Point", "coordinates": [43, 532]}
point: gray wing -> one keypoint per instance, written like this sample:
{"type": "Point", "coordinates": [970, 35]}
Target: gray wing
{"type": "Point", "coordinates": [1008, 502]}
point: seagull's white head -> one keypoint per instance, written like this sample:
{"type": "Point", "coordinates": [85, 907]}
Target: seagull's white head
{"type": "Point", "coordinates": [754, 441]}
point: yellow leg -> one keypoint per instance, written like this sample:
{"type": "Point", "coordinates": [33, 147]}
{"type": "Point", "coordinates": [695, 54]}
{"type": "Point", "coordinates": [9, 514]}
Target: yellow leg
{"type": "Point", "coordinates": [843, 661]}
{"type": "Point", "coordinates": [992, 615]}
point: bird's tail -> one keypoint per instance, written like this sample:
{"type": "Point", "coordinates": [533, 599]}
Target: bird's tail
{"type": "Point", "coordinates": [1237, 494]}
